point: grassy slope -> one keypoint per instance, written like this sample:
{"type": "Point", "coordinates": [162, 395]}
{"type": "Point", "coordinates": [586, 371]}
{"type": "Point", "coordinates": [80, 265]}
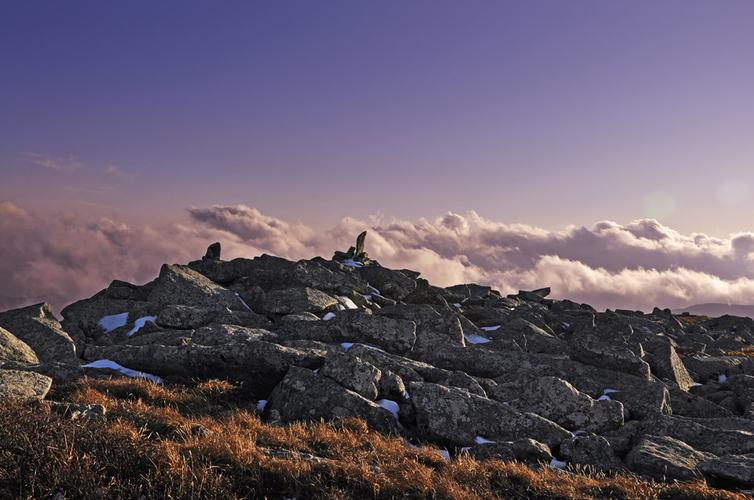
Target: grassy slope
{"type": "Point", "coordinates": [154, 443]}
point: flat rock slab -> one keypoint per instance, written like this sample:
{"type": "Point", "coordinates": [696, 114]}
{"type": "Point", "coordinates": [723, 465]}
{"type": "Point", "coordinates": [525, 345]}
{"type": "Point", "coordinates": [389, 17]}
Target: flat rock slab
{"type": "Point", "coordinates": [23, 385]}
{"type": "Point", "coordinates": [665, 458]}
{"type": "Point", "coordinates": [456, 416]}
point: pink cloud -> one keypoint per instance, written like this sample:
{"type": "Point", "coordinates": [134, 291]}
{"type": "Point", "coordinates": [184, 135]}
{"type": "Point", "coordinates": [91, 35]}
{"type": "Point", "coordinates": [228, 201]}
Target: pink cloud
{"type": "Point", "coordinates": [636, 265]}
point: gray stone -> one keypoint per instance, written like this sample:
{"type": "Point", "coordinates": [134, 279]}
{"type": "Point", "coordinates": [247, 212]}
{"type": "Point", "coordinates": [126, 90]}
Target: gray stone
{"type": "Point", "coordinates": [352, 373]}
{"type": "Point", "coordinates": [456, 416]}
{"type": "Point", "coordinates": [23, 385]}
{"type": "Point", "coordinates": [665, 458]}
{"type": "Point", "coordinates": [591, 450]}
{"type": "Point", "coordinates": [522, 450]}
{"type": "Point", "coordinates": [304, 395]}
{"type": "Point", "coordinates": [182, 285]}
{"type": "Point", "coordinates": [731, 470]}
{"type": "Point", "coordinates": [296, 300]}
{"type": "Point", "coordinates": [37, 327]}
{"type": "Point", "coordinates": [13, 349]}
{"type": "Point", "coordinates": [559, 401]}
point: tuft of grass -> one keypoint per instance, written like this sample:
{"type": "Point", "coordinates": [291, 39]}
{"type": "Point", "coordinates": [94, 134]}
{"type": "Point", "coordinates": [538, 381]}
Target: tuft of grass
{"type": "Point", "coordinates": [149, 446]}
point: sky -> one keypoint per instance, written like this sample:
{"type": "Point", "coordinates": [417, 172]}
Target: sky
{"type": "Point", "coordinates": [144, 117]}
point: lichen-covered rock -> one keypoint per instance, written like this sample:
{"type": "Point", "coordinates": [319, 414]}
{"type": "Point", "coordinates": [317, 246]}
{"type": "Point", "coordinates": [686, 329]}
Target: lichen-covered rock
{"type": "Point", "coordinates": [522, 450]}
{"type": "Point", "coordinates": [592, 450]}
{"type": "Point", "coordinates": [353, 373]}
{"type": "Point", "coordinates": [304, 395]}
{"type": "Point", "coordinates": [37, 327]}
{"type": "Point", "coordinates": [13, 349]}
{"type": "Point", "coordinates": [731, 470]}
{"type": "Point", "coordinates": [23, 384]}
{"type": "Point", "coordinates": [665, 458]}
{"type": "Point", "coordinates": [456, 416]}
{"type": "Point", "coordinates": [182, 285]}
{"type": "Point", "coordinates": [559, 401]}
{"type": "Point", "coordinates": [296, 300]}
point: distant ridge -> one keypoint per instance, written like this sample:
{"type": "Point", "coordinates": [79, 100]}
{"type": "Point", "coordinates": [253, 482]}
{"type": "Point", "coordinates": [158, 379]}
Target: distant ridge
{"type": "Point", "coordinates": [714, 309]}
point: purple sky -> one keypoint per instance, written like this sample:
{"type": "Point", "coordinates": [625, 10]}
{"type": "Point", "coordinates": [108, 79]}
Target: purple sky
{"type": "Point", "coordinates": [546, 113]}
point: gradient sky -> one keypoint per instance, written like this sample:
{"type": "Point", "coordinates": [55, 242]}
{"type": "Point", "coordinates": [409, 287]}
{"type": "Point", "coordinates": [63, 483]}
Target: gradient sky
{"type": "Point", "coordinates": [549, 113]}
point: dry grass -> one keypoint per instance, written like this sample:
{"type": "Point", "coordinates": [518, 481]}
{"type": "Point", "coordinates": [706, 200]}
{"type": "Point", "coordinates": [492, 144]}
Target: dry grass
{"type": "Point", "coordinates": [149, 445]}
{"type": "Point", "coordinates": [746, 351]}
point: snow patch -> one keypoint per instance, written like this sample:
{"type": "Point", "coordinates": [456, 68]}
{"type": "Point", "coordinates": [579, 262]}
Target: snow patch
{"type": "Point", "coordinates": [604, 397]}
{"type": "Point", "coordinates": [243, 302]}
{"type": "Point", "coordinates": [328, 316]}
{"type": "Point", "coordinates": [352, 263]}
{"type": "Point", "coordinates": [476, 339]}
{"type": "Point", "coordinates": [406, 395]}
{"type": "Point", "coordinates": [368, 296]}
{"type": "Point", "coordinates": [722, 379]}
{"type": "Point", "coordinates": [113, 322]}
{"type": "Point", "coordinates": [390, 406]}
{"type": "Point", "coordinates": [346, 345]}
{"type": "Point", "coordinates": [112, 365]}
{"type": "Point", "coordinates": [482, 440]}
{"type": "Point", "coordinates": [444, 454]}
{"type": "Point", "coordinates": [609, 391]}
{"type": "Point", "coordinates": [261, 405]}
{"type": "Point", "coordinates": [457, 305]}
{"type": "Point", "coordinates": [557, 464]}
{"type": "Point", "coordinates": [139, 324]}
{"type": "Point", "coordinates": [490, 328]}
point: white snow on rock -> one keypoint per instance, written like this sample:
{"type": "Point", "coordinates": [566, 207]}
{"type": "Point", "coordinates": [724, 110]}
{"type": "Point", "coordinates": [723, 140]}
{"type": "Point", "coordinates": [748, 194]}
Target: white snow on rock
{"type": "Point", "coordinates": [261, 405]}
{"type": "Point", "coordinates": [368, 296]}
{"type": "Point", "coordinates": [113, 322]}
{"type": "Point", "coordinates": [243, 302]}
{"type": "Point", "coordinates": [609, 391]}
{"type": "Point", "coordinates": [457, 305]}
{"type": "Point", "coordinates": [444, 454]}
{"type": "Point", "coordinates": [328, 316]}
{"type": "Point", "coordinates": [390, 406]}
{"type": "Point", "coordinates": [557, 464]}
{"type": "Point", "coordinates": [604, 397]}
{"type": "Point", "coordinates": [406, 395]}
{"type": "Point", "coordinates": [352, 263]}
{"type": "Point", "coordinates": [375, 292]}
{"type": "Point", "coordinates": [476, 339]}
{"type": "Point", "coordinates": [347, 302]}
{"type": "Point", "coordinates": [139, 324]}
{"type": "Point", "coordinates": [341, 307]}
{"type": "Point", "coordinates": [112, 365]}
{"type": "Point", "coordinates": [482, 440]}
{"type": "Point", "coordinates": [346, 345]}
{"type": "Point", "coordinates": [490, 328]}
{"type": "Point", "coordinates": [722, 379]}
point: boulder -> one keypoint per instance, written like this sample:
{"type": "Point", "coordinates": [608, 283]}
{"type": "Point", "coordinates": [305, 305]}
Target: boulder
{"type": "Point", "coordinates": [559, 401]}
{"type": "Point", "coordinates": [296, 301]}
{"type": "Point", "coordinates": [590, 450]}
{"type": "Point", "coordinates": [353, 373]}
{"type": "Point", "coordinates": [393, 335]}
{"type": "Point", "coordinates": [12, 349]}
{"type": "Point", "coordinates": [667, 365]}
{"type": "Point", "coordinates": [23, 384]}
{"type": "Point", "coordinates": [730, 470]}
{"type": "Point", "coordinates": [591, 350]}
{"type": "Point", "coordinates": [522, 450]}
{"type": "Point", "coordinates": [456, 416]}
{"type": "Point", "coordinates": [213, 251]}
{"type": "Point", "coordinates": [184, 286]}
{"type": "Point", "coordinates": [304, 395]}
{"type": "Point", "coordinates": [665, 458]}
{"type": "Point", "coordinates": [37, 327]}
{"type": "Point", "coordinates": [260, 364]}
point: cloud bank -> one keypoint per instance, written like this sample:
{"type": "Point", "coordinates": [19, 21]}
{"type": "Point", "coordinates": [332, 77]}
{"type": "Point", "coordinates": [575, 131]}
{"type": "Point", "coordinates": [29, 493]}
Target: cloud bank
{"type": "Point", "coordinates": [636, 265]}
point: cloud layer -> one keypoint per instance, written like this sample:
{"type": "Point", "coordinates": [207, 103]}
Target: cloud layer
{"type": "Point", "coordinates": [637, 265]}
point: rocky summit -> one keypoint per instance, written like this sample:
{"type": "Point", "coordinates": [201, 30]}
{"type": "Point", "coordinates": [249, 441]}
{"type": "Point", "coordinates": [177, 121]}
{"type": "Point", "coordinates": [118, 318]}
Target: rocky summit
{"type": "Point", "coordinates": [517, 377]}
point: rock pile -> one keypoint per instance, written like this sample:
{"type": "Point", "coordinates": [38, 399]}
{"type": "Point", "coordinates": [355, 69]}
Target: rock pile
{"type": "Point", "coordinates": [519, 377]}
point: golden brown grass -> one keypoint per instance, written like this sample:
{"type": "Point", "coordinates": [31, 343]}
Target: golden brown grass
{"type": "Point", "coordinates": [746, 351]}
{"type": "Point", "coordinates": [205, 441]}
